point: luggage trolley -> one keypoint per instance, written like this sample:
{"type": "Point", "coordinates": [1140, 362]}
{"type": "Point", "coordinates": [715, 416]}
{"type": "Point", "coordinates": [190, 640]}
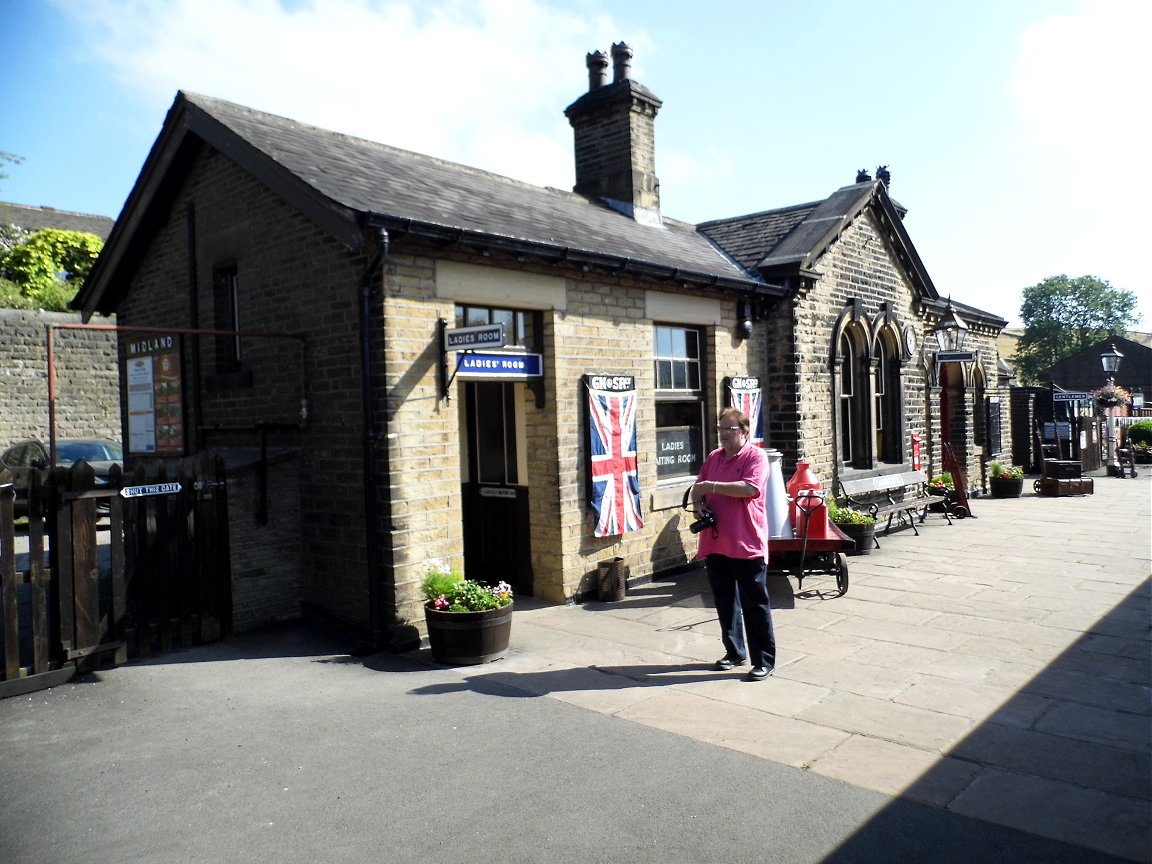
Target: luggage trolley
{"type": "Point", "coordinates": [814, 555]}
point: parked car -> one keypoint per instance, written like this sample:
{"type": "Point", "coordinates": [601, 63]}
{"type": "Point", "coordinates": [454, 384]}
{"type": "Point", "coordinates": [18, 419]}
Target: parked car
{"type": "Point", "coordinates": [25, 456]}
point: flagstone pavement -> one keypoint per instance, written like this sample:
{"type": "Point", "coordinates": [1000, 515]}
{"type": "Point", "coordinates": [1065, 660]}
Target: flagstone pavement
{"type": "Point", "coordinates": [999, 668]}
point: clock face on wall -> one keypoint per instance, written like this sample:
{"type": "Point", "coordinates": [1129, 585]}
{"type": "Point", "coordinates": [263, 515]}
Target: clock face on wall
{"type": "Point", "coordinates": [910, 339]}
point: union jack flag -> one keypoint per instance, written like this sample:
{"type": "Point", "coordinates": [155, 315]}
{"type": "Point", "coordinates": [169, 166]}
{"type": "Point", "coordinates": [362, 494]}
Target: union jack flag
{"type": "Point", "coordinates": [750, 402]}
{"type": "Point", "coordinates": [615, 487]}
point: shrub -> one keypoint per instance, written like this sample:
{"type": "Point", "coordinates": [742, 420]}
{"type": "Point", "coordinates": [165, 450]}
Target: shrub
{"type": "Point", "coordinates": [1139, 433]}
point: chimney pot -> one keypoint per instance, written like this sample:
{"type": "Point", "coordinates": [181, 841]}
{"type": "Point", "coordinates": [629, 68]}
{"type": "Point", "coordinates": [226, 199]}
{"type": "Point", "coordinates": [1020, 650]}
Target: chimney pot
{"type": "Point", "coordinates": [597, 63]}
{"type": "Point", "coordinates": [883, 175]}
{"type": "Point", "coordinates": [862, 176]}
{"type": "Point", "coordinates": [621, 61]}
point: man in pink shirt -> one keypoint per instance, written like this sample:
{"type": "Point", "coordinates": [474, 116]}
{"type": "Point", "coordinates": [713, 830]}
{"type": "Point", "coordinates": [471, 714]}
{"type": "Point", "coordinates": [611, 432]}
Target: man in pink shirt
{"type": "Point", "coordinates": [733, 487]}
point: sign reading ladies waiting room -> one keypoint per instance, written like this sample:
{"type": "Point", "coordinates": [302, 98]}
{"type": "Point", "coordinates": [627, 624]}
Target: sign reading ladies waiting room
{"type": "Point", "coordinates": [155, 395]}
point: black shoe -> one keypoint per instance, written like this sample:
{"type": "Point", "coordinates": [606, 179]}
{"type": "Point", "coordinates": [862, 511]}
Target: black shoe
{"type": "Point", "coordinates": [726, 663]}
{"type": "Point", "coordinates": [759, 673]}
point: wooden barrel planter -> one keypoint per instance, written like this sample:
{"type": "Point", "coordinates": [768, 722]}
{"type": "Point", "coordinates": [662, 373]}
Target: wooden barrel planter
{"type": "Point", "coordinates": [863, 535]}
{"type": "Point", "coordinates": [468, 638]}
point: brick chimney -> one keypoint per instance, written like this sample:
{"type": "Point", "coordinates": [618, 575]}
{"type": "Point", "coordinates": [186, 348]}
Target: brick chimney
{"type": "Point", "coordinates": [615, 138]}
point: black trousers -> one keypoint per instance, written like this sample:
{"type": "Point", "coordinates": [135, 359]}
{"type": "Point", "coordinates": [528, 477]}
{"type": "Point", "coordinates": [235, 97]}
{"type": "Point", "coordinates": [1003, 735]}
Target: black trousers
{"type": "Point", "coordinates": [740, 590]}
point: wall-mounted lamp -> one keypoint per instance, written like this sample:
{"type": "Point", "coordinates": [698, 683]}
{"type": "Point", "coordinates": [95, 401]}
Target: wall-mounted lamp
{"type": "Point", "coordinates": [950, 331]}
{"type": "Point", "coordinates": [744, 314]}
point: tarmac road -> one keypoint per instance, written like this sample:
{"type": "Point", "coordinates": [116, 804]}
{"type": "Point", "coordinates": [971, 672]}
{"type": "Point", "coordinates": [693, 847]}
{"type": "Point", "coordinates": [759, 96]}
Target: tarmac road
{"type": "Point", "coordinates": [277, 747]}
{"type": "Point", "coordinates": [985, 686]}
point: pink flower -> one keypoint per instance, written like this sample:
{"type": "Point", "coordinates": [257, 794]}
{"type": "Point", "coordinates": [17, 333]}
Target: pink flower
{"type": "Point", "coordinates": [441, 602]}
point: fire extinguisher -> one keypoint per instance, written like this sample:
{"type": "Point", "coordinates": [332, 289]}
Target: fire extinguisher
{"type": "Point", "coordinates": [916, 438]}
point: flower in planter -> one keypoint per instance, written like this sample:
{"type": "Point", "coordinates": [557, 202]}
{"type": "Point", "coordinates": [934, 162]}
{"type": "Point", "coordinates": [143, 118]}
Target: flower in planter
{"type": "Point", "coordinates": [1111, 396]}
{"type": "Point", "coordinates": [941, 484]}
{"type": "Point", "coordinates": [1000, 471]}
{"type": "Point", "coordinates": [847, 516]}
{"type": "Point", "coordinates": [448, 591]}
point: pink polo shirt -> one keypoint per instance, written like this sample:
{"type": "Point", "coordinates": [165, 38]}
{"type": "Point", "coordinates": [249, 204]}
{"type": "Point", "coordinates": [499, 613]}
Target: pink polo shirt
{"type": "Point", "coordinates": [741, 523]}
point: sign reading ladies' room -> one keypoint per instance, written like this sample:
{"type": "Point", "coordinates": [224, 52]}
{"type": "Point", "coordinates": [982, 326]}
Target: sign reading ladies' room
{"type": "Point", "coordinates": [155, 395]}
{"type": "Point", "coordinates": [499, 367]}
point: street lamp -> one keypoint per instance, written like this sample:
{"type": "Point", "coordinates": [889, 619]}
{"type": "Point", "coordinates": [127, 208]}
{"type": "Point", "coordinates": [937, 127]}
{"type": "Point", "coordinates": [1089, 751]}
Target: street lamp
{"type": "Point", "coordinates": [1110, 360]}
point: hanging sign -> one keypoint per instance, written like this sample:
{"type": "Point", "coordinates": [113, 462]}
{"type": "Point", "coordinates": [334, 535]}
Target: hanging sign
{"type": "Point", "coordinates": [615, 486]}
{"type": "Point", "coordinates": [470, 338]}
{"type": "Point", "coordinates": [506, 367]}
{"type": "Point", "coordinates": [744, 393]}
{"type": "Point", "coordinates": [955, 356]}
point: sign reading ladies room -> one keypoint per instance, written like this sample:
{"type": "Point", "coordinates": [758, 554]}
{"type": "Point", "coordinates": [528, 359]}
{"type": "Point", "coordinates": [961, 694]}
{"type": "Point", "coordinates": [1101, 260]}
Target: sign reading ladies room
{"type": "Point", "coordinates": [477, 364]}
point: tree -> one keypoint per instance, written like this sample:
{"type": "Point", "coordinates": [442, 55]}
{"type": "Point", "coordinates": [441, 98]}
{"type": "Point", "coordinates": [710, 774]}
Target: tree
{"type": "Point", "coordinates": [49, 267]}
{"type": "Point", "coordinates": [5, 156]}
{"type": "Point", "coordinates": [1063, 316]}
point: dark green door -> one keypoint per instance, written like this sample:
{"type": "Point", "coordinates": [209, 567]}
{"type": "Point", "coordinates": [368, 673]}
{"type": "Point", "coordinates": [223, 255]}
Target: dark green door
{"type": "Point", "coordinates": [494, 496]}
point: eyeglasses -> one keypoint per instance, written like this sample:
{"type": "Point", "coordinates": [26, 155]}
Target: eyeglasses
{"type": "Point", "coordinates": [729, 428]}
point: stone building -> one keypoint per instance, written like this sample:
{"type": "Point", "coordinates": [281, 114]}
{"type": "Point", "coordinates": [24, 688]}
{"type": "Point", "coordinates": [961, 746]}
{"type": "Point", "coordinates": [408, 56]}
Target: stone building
{"type": "Point", "coordinates": [422, 343]}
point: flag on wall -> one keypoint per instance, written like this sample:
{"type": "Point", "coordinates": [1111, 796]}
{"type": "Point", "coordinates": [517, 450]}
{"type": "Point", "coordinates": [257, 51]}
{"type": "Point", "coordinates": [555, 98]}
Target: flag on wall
{"type": "Point", "coordinates": [745, 394]}
{"type": "Point", "coordinates": [612, 459]}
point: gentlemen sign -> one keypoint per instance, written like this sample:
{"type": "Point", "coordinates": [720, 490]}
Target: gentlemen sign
{"type": "Point", "coordinates": [1071, 397]}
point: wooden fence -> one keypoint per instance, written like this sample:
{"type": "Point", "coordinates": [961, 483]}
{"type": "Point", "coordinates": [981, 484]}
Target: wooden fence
{"type": "Point", "coordinates": [159, 577]}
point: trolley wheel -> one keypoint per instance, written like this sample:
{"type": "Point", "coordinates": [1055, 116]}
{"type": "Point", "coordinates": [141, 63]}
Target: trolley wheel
{"type": "Point", "coordinates": [841, 573]}
{"type": "Point", "coordinates": [1035, 485]}
{"type": "Point", "coordinates": [960, 512]}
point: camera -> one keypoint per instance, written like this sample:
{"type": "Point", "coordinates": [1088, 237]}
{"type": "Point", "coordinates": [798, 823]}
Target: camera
{"type": "Point", "coordinates": [706, 520]}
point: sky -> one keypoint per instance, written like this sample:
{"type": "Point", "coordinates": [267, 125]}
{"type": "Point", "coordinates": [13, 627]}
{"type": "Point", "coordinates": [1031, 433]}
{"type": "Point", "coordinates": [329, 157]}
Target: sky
{"type": "Point", "coordinates": [1010, 127]}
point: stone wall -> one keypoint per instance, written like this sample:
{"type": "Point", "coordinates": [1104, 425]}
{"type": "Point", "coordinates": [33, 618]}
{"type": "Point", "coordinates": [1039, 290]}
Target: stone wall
{"type": "Point", "coordinates": [87, 378]}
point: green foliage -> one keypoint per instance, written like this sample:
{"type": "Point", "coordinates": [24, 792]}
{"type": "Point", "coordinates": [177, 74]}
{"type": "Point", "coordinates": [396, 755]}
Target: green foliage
{"type": "Point", "coordinates": [847, 516]}
{"type": "Point", "coordinates": [50, 265]}
{"type": "Point", "coordinates": [5, 156]}
{"type": "Point", "coordinates": [942, 481]}
{"type": "Point", "coordinates": [11, 297]}
{"type": "Point", "coordinates": [448, 590]}
{"type": "Point", "coordinates": [439, 582]}
{"type": "Point", "coordinates": [1139, 433]}
{"type": "Point", "coordinates": [11, 236]}
{"type": "Point", "coordinates": [1000, 471]}
{"type": "Point", "coordinates": [1063, 316]}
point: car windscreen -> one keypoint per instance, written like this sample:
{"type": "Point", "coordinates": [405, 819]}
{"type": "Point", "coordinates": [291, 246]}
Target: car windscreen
{"type": "Point", "coordinates": [89, 451]}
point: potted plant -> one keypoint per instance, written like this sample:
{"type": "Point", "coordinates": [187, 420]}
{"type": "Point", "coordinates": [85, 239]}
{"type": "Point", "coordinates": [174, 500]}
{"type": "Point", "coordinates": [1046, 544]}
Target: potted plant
{"type": "Point", "coordinates": [1138, 436]}
{"type": "Point", "coordinates": [1005, 481]}
{"type": "Point", "coordinates": [859, 526]}
{"type": "Point", "coordinates": [468, 622]}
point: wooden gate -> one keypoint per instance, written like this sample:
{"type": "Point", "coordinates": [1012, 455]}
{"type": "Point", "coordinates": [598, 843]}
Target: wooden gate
{"type": "Point", "coordinates": [158, 578]}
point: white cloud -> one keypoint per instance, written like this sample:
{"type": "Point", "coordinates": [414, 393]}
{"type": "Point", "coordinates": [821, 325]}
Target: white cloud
{"type": "Point", "coordinates": [482, 82]}
{"type": "Point", "coordinates": [1078, 86]}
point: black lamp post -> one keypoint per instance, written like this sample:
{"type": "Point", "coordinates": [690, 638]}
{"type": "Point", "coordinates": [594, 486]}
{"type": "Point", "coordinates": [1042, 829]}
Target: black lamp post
{"type": "Point", "coordinates": [1110, 360]}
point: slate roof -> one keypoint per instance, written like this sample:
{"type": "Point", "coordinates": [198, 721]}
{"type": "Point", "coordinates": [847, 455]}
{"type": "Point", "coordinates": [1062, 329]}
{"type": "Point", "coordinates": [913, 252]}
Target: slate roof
{"type": "Point", "coordinates": [347, 185]}
{"type": "Point", "coordinates": [38, 218]}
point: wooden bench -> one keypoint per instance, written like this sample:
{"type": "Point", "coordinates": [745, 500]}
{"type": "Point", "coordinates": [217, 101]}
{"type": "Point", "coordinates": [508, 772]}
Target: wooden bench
{"type": "Point", "coordinates": [916, 499]}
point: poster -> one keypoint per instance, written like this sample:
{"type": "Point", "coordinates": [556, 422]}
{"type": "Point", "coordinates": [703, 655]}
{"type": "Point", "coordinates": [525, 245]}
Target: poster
{"type": "Point", "coordinates": [155, 396]}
